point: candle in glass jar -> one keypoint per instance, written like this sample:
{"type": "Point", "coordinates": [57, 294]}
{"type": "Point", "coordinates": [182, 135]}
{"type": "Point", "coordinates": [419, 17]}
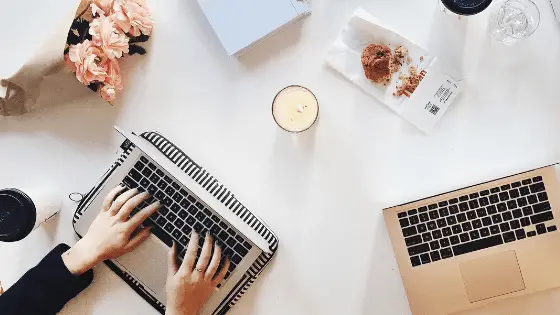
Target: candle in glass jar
{"type": "Point", "coordinates": [295, 108]}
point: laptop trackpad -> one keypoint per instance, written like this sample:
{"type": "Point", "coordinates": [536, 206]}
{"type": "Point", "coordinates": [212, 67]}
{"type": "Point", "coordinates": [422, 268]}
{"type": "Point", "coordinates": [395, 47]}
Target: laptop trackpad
{"type": "Point", "coordinates": [148, 263]}
{"type": "Point", "coordinates": [492, 276]}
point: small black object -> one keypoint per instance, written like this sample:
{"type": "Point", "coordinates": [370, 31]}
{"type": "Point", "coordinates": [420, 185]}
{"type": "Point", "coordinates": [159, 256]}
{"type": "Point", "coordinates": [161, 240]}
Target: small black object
{"type": "Point", "coordinates": [17, 215]}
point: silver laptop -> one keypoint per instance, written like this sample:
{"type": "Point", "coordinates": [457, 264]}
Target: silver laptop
{"type": "Point", "coordinates": [186, 205]}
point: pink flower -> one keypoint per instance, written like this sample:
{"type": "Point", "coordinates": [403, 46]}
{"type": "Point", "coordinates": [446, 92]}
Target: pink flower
{"type": "Point", "coordinates": [106, 36]}
{"type": "Point", "coordinates": [133, 17]}
{"type": "Point", "coordinates": [89, 61]}
{"type": "Point", "coordinates": [101, 7]}
{"type": "Point", "coordinates": [108, 93]}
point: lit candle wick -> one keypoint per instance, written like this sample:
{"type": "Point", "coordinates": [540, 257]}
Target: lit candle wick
{"type": "Point", "coordinates": [299, 108]}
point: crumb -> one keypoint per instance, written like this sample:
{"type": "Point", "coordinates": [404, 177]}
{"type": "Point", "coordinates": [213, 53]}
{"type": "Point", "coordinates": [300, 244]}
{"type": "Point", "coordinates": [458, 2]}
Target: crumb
{"type": "Point", "coordinates": [408, 60]}
{"type": "Point", "coordinates": [409, 82]}
{"type": "Point", "coordinates": [421, 58]}
{"type": "Point", "coordinates": [401, 52]}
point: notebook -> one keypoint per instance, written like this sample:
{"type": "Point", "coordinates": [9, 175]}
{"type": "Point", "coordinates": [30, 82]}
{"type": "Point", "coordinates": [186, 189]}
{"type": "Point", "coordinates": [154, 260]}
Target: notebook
{"type": "Point", "coordinates": [242, 24]}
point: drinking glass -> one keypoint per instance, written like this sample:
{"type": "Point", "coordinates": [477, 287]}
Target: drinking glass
{"type": "Point", "coordinates": [514, 20]}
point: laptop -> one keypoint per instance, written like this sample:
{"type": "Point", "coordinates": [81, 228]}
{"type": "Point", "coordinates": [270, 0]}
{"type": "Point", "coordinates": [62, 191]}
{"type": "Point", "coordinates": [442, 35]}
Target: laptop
{"type": "Point", "coordinates": [470, 247]}
{"type": "Point", "coordinates": [160, 168]}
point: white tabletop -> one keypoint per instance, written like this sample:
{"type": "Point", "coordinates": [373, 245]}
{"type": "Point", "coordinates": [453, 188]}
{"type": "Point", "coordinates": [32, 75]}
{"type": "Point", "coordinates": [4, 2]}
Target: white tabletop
{"type": "Point", "coordinates": [323, 191]}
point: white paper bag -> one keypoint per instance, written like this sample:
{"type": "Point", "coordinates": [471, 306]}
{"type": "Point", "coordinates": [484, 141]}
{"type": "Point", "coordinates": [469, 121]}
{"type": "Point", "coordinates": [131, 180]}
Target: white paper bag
{"type": "Point", "coordinates": [20, 91]}
{"type": "Point", "coordinates": [432, 97]}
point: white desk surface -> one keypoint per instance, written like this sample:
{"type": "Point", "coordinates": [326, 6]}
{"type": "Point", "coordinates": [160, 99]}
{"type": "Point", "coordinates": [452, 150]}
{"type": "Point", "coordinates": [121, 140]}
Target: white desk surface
{"type": "Point", "coordinates": [322, 193]}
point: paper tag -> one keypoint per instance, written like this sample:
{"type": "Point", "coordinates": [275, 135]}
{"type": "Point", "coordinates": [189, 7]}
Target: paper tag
{"type": "Point", "coordinates": [432, 98]}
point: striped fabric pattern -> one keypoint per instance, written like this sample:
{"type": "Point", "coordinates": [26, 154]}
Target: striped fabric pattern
{"type": "Point", "coordinates": [220, 192]}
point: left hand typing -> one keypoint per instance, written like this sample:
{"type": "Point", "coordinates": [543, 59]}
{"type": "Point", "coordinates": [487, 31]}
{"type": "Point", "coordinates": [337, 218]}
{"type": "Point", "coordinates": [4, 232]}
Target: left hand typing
{"type": "Point", "coordinates": [111, 233]}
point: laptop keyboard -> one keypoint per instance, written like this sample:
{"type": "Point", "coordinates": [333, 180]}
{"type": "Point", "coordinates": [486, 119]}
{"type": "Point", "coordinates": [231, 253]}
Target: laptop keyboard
{"type": "Point", "coordinates": [181, 212]}
{"type": "Point", "coordinates": [476, 221]}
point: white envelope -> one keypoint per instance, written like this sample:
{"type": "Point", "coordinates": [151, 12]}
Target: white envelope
{"type": "Point", "coordinates": [433, 96]}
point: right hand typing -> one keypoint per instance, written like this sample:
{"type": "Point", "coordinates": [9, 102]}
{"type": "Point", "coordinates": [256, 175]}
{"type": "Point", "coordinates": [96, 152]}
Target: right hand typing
{"type": "Point", "coordinates": [190, 285]}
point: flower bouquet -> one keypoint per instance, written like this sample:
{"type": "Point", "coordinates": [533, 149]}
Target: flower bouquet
{"type": "Point", "coordinates": [90, 39]}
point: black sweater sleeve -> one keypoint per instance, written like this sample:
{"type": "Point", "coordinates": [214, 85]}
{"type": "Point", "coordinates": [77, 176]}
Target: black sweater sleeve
{"type": "Point", "coordinates": [46, 288]}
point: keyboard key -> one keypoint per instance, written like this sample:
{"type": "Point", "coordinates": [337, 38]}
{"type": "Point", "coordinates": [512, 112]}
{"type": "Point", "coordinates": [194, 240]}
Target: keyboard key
{"type": "Point", "coordinates": [494, 199]}
{"type": "Point", "coordinates": [542, 217]}
{"type": "Point", "coordinates": [423, 217]}
{"type": "Point", "coordinates": [401, 214]}
{"type": "Point", "coordinates": [421, 228]}
{"type": "Point", "coordinates": [461, 217]}
{"type": "Point", "coordinates": [543, 196]}
{"type": "Point", "coordinates": [504, 196]}
{"type": "Point", "coordinates": [231, 241]}
{"type": "Point", "coordinates": [243, 251]}
{"type": "Point", "coordinates": [198, 227]}
{"type": "Point", "coordinates": [456, 229]}
{"type": "Point", "coordinates": [447, 231]}
{"type": "Point", "coordinates": [505, 187]}
{"type": "Point", "coordinates": [477, 224]}
{"type": "Point", "coordinates": [514, 193]}
{"type": "Point", "coordinates": [425, 259]}
{"type": "Point", "coordinates": [434, 245]}
{"type": "Point", "coordinates": [190, 220]}
{"type": "Point", "coordinates": [215, 230]}
{"type": "Point", "coordinates": [415, 261]}
{"type": "Point", "coordinates": [473, 204]}
{"type": "Point", "coordinates": [502, 207]}
{"type": "Point", "coordinates": [139, 166]}
{"type": "Point", "coordinates": [492, 209]}
{"type": "Point", "coordinates": [443, 212]}
{"type": "Point", "coordinates": [527, 211]}
{"type": "Point", "coordinates": [176, 234]}
{"type": "Point", "coordinates": [446, 253]}
{"type": "Point", "coordinates": [147, 172]}
{"type": "Point", "coordinates": [517, 213]}
{"type": "Point", "coordinates": [434, 215]}
{"type": "Point", "coordinates": [171, 216]}
{"type": "Point", "coordinates": [454, 240]}
{"type": "Point", "coordinates": [179, 223]}
{"type": "Point", "coordinates": [162, 185]}
{"type": "Point", "coordinates": [182, 214]}
{"type": "Point", "coordinates": [494, 229]}
{"type": "Point", "coordinates": [435, 256]}
{"type": "Point", "coordinates": [453, 209]}
{"type": "Point", "coordinates": [129, 182]}
{"type": "Point", "coordinates": [463, 198]}
{"type": "Point", "coordinates": [135, 175]}
{"type": "Point", "coordinates": [443, 204]}
{"type": "Point", "coordinates": [187, 230]}
{"type": "Point", "coordinates": [239, 239]}
{"type": "Point", "coordinates": [431, 225]}
{"type": "Point", "coordinates": [453, 201]}
{"type": "Point", "coordinates": [437, 234]}
{"type": "Point", "coordinates": [504, 227]}
{"type": "Point", "coordinates": [444, 242]}
{"type": "Point", "coordinates": [223, 236]}
{"type": "Point", "coordinates": [162, 235]}
{"type": "Point", "coordinates": [184, 240]}
{"type": "Point", "coordinates": [167, 201]}
{"type": "Point", "coordinates": [422, 209]}
{"type": "Point", "coordinates": [485, 193]}
{"type": "Point", "coordinates": [481, 212]}
{"type": "Point", "coordinates": [514, 224]}
{"type": "Point", "coordinates": [509, 237]}
{"type": "Point", "coordinates": [451, 220]}
{"type": "Point", "coordinates": [464, 237]}
{"type": "Point", "coordinates": [169, 227]}
{"type": "Point", "coordinates": [538, 187]}
{"type": "Point", "coordinates": [525, 222]}
{"type": "Point", "coordinates": [537, 179]}
{"type": "Point", "coordinates": [441, 223]}
{"type": "Point", "coordinates": [520, 234]}
{"type": "Point", "coordinates": [484, 232]}
{"type": "Point", "coordinates": [524, 191]}
{"type": "Point", "coordinates": [532, 199]}
{"type": "Point", "coordinates": [466, 226]}
{"type": "Point", "coordinates": [496, 218]}
{"type": "Point", "coordinates": [477, 245]}
{"type": "Point", "coordinates": [474, 195]}
{"type": "Point", "coordinates": [551, 228]}
{"type": "Point", "coordinates": [526, 181]}
{"type": "Point", "coordinates": [413, 219]}
{"type": "Point", "coordinates": [522, 202]}
{"type": "Point", "coordinates": [464, 206]}
{"type": "Point", "coordinates": [161, 221]}
{"type": "Point", "coordinates": [432, 206]}
{"type": "Point", "coordinates": [512, 204]}
{"type": "Point", "coordinates": [541, 207]}
{"type": "Point", "coordinates": [160, 172]}
{"type": "Point", "coordinates": [531, 233]}
{"type": "Point", "coordinates": [201, 217]}
{"type": "Point", "coordinates": [541, 228]}
{"type": "Point", "coordinates": [471, 215]}
{"type": "Point", "coordinates": [516, 184]}
{"type": "Point", "coordinates": [208, 222]}
{"type": "Point", "coordinates": [474, 235]}
{"type": "Point", "coordinates": [427, 237]}
{"type": "Point", "coordinates": [507, 216]}
{"type": "Point", "coordinates": [486, 221]}
{"type": "Point", "coordinates": [483, 201]}
{"type": "Point", "coordinates": [409, 231]}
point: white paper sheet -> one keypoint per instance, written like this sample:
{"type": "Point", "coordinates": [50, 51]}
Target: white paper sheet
{"type": "Point", "coordinates": [345, 57]}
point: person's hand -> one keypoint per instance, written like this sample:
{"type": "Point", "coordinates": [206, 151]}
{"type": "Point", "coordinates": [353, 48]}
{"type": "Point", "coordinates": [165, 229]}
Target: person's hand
{"type": "Point", "coordinates": [112, 233]}
{"type": "Point", "coordinates": [190, 286]}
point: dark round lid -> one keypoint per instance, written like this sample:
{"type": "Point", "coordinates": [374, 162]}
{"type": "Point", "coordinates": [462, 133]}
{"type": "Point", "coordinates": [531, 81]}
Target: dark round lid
{"type": "Point", "coordinates": [17, 215]}
{"type": "Point", "coordinates": [466, 7]}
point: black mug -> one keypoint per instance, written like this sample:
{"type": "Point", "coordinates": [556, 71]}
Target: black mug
{"type": "Point", "coordinates": [20, 214]}
{"type": "Point", "coordinates": [466, 7]}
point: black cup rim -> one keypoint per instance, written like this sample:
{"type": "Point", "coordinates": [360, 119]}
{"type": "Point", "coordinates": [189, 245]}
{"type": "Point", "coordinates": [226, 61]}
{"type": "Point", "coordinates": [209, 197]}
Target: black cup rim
{"type": "Point", "coordinates": [30, 208]}
{"type": "Point", "coordinates": [467, 11]}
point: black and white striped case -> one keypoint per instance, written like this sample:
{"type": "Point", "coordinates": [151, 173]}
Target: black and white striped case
{"type": "Point", "coordinates": [218, 190]}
